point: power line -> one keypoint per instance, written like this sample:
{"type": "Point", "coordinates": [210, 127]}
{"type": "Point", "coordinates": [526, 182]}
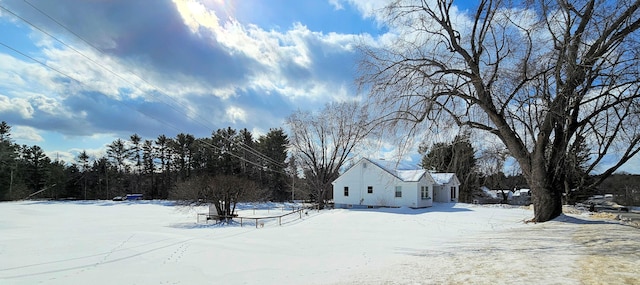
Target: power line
{"type": "Point", "coordinates": [241, 144]}
{"type": "Point", "coordinates": [80, 53]}
{"type": "Point", "coordinates": [80, 82]}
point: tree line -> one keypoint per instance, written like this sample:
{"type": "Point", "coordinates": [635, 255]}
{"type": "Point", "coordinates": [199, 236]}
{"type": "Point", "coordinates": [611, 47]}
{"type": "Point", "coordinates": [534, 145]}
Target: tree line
{"type": "Point", "coordinates": [159, 169]}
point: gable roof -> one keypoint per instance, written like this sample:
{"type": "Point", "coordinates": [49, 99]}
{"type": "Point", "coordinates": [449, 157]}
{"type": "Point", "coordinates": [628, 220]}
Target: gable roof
{"type": "Point", "coordinates": [442, 178]}
{"type": "Point", "coordinates": [402, 170]}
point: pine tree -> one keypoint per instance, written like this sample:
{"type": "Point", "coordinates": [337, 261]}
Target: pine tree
{"type": "Point", "coordinates": [274, 146]}
{"type": "Point", "coordinates": [456, 157]}
{"type": "Point", "coordinates": [8, 163]}
{"type": "Point", "coordinates": [36, 168]}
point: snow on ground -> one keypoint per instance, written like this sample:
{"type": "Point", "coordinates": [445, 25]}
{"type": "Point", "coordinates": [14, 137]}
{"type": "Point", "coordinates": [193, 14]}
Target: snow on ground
{"type": "Point", "coordinates": [144, 242]}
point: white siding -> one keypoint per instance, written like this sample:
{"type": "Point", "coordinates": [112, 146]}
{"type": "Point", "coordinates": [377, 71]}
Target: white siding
{"type": "Point", "coordinates": [440, 194]}
{"type": "Point", "coordinates": [358, 178]}
{"type": "Point", "coordinates": [364, 174]}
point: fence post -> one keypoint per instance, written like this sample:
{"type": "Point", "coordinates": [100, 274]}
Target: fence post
{"type": "Point", "coordinates": [240, 221]}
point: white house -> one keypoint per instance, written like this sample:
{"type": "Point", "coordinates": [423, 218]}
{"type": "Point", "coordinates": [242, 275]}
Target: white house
{"type": "Point", "coordinates": [380, 183]}
{"type": "Point", "coordinates": [446, 188]}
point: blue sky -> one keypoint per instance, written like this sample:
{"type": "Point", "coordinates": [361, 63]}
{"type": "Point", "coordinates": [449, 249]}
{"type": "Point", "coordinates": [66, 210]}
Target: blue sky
{"type": "Point", "coordinates": [152, 67]}
{"type": "Point", "coordinates": [115, 68]}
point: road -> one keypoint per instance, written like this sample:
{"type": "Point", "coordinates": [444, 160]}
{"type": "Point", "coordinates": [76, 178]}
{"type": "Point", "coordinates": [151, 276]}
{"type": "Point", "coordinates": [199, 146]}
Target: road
{"type": "Point", "coordinates": [634, 216]}
{"type": "Point", "coordinates": [631, 215]}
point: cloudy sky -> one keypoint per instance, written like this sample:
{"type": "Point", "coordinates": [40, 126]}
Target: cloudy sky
{"type": "Point", "coordinates": [78, 74]}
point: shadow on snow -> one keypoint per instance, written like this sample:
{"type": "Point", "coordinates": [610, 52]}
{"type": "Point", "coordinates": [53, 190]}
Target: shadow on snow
{"type": "Point", "coordinates": [437, 207]}
{"type": "Point", "coordinates": [101, 202]}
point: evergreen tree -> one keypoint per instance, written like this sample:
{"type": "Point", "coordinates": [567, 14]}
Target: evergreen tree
{"type": "Point", "coordinates": [182, 147]}
{"type": "Point", "coordinates": [135, 155]}
{"type": "Point", "coordinates": [148, 157]}
{"type": "Point", "coordinates": [35, 165]}
{"type": "Point", "coordinates": [57, 182]}
{"type": "Point", "coordinates": [102, 169]}
{"type": "Point", "coordinates": [164, 154]}
{"type": "Point", "coordinates": [456, 157]}
{"type": "Point", "coordinates": [249, 157]}
{"type": "Point", "coordinates": [203, 155]}
{"type": "Point", "coordinates": [274, 146]}
{"type": "Point", "coordinates": [83, 160]}
{"type": "Point", "coordinates": [226, 152]}
{"type": "Point", "coordinates": [8, 162]}
{"type": "Point", "coordinates": [118, 153]}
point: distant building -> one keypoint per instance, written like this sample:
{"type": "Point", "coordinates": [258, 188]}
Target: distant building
{"type": "Point", "coordinates": [513, 197]}
{"type": "Point", "coordinates": [521, 197]}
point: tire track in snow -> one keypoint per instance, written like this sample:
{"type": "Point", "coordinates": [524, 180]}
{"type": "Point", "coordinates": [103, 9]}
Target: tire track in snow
{"type": "Point", "coordinates": [109, 253]}
{"type": "Point", "coordinates": [85, 266]}
{"type": "Point", "coordinates": [104, 258]}
{"type": "Point", "coordinates": [79, 258]}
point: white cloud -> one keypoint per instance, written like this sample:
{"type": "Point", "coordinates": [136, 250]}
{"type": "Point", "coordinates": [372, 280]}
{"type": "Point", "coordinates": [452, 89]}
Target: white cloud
{"type": "Point", "coordinates": [17, 105]}
{"type": "Point", "coordinates": [69, 156]}
{"type": "Point", "coordinates": [370, 8]}
{"type": "Point", "coordinates": [336, 4]}
{"type": "Point", "coordinates": [293, 67]}
{"type": "Point", "coordinates": [235, 114]}
{"type": "Point", "coordinates": [26, 134]}
{"type": "Point", "coordinates": [273, 50]}
{"type": "Point", "coordinates": [49, 105]}
{"type": "Point", "coordinates": [196, 15]}
{"type": "Point", "coordinates": [21, 77]}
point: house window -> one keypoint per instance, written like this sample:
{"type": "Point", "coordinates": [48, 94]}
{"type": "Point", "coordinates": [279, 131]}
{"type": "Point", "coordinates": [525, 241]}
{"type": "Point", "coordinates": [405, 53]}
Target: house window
{"type": "Point", "coordinates": [370, 189]}
{"type": "Point", "coordinates": [346, 191]}
{"type": "Point", "coordinates": [424, 192]}
{"type": "Point", "coordinates": [398, 191]}
{"type": "Point", "coordinates": [453, 192]}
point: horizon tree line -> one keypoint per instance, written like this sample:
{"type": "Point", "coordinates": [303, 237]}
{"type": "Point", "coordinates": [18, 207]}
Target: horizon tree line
{"type": "Point", "coordinates": [154, 168]}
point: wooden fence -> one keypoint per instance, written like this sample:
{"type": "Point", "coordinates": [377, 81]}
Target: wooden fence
{"type": "Point", "coordinates": [207, 217]}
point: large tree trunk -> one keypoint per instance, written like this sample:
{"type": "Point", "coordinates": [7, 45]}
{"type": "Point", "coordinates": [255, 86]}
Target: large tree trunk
{"type": "Point", "coordinates": [547, 204]}
{"type": "Point", "coordinates": [546, 195]}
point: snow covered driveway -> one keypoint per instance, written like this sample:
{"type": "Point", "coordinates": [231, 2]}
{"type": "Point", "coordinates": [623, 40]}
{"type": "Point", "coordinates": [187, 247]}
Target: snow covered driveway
{"type": "Point", "coordinates": [108, 242]}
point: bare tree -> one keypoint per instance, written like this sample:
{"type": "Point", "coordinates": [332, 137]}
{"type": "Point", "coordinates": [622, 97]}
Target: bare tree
{"type": "Point", "coordinates": [539, 77]}
{"type": "Point", "coordinates": [323, 141]}
{"type": "Point", "coordinates": [491, 161]}
{"type": "Point", "coordinates": [221, 191]}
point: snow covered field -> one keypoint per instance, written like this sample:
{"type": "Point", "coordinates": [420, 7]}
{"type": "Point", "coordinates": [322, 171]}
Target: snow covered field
{"type": "Point", "coordinates": [104, 242]}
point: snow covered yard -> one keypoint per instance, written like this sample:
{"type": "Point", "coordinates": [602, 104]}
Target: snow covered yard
{"type": "Point", "coordinates": [156, 242]}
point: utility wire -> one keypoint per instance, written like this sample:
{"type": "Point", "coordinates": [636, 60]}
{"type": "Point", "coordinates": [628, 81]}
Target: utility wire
{"type": "Point", "coordinates": [80, 53]}
{"type": "Point", "coordinates": [200, 121]}
{"type": "Point", "coordinates": [127, 105]}
{"type": "Point", "coordinates": [241, 144]}
{"type": "Point", "coordinates": [82, 83]}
